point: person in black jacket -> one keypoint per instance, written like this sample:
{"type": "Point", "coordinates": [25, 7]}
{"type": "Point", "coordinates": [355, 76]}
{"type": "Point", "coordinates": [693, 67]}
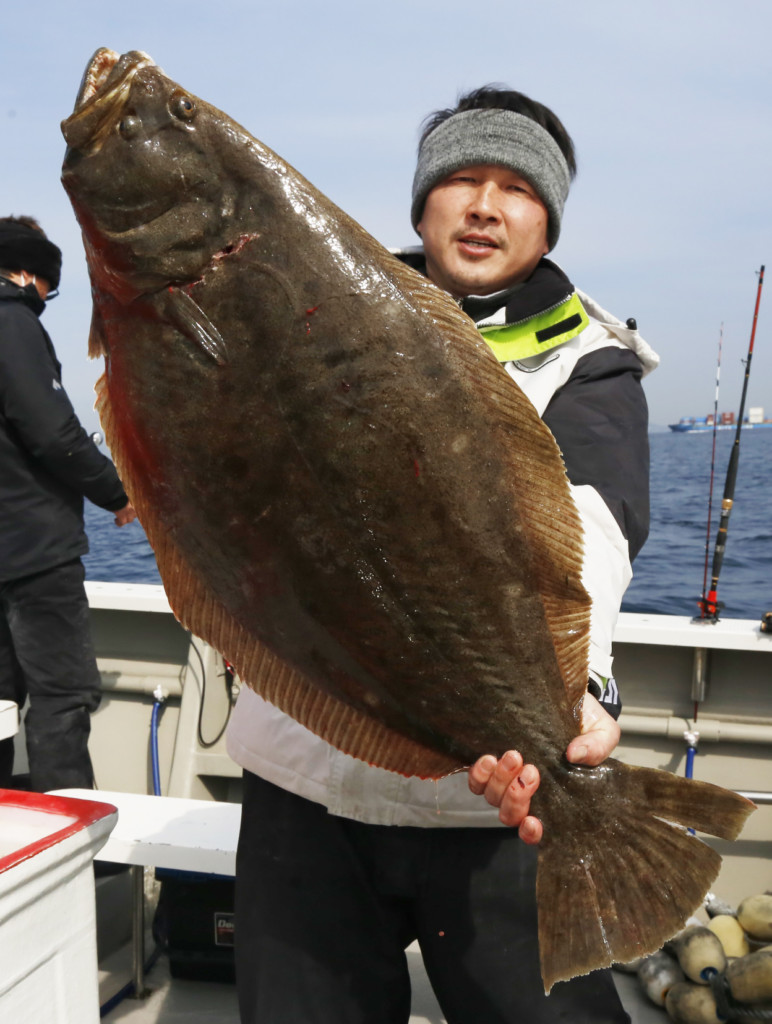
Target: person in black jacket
{"type": "Point", "coordinates": [48, 464]}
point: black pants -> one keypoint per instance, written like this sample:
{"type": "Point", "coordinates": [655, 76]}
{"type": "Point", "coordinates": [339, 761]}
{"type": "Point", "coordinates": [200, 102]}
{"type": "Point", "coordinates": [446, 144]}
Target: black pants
{"type": "Point", "coordinates": [47, 655]}
{"type": "Point", "coordinates": [326, 906]}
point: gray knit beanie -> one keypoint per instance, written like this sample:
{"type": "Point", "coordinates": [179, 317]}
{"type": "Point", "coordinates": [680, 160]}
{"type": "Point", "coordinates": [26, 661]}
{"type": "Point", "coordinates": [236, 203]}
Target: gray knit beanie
{"type": "Point", "coordinates": [494, 136]}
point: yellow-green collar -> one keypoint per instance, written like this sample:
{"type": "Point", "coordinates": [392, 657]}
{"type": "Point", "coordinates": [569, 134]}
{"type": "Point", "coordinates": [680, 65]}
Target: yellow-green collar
{"type": "Point", "coordinates": [538, 334]}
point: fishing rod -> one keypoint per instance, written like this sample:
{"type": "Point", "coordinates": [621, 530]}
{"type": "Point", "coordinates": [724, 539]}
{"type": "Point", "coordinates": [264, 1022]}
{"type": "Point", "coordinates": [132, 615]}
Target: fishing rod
{"type": "Point", "coordinates": [710, 606]}
{"type": "Point", "coordinates": [712, 474]}
{"type": "Point", "coordinates": [700, 666]}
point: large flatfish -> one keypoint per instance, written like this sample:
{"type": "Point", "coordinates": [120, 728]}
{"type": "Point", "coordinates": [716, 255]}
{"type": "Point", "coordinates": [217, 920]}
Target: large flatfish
{"type": "Point", "coordinates": [350, 499]}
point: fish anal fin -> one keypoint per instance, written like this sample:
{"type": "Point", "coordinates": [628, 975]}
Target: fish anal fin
{"type": "Point", "coordinates": [550, 521]}
{"type": "Point", "coordinates": [569, 628]}
{"type": "Point", "coordinates": [339, 724]}
{"type": "Point", "coordinates": [344, 727]}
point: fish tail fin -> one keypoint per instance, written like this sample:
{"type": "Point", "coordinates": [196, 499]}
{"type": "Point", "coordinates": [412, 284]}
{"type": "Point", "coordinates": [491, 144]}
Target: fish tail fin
{"type": "Point", "coordinates": [619, 878]}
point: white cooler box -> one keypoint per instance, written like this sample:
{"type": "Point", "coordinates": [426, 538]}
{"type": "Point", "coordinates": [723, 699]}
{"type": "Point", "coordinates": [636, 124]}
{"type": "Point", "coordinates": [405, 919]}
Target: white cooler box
{"type": "Point", "coordinates": [47, 913]}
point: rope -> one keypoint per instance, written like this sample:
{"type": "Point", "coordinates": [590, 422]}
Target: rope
{"type": "Point", "coordinates": [727, 1006]}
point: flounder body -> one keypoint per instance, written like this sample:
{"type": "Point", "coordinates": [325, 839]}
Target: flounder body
{"type": "Point", "coordinates": [352, 501]}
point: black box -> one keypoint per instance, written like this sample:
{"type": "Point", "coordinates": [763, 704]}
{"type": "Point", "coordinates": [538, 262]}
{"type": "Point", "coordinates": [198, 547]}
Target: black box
{"type": "Point", "coordinates": [194, 923]}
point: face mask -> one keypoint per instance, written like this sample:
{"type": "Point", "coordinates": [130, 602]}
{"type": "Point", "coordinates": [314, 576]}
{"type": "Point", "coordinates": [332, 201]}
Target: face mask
{"type": "Point", "coordinates": [32, 296]}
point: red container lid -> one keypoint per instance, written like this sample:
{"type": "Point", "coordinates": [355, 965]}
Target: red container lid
{"type": "Point", "coordinates": [74, 815]}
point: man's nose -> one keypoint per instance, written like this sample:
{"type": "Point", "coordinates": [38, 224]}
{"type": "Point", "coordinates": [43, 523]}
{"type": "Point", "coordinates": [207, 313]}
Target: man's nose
{"type": "Point", "coordinates": [484, 204]}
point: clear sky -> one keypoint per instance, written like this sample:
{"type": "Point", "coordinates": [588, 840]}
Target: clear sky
{"type": "Point", "coordinates": [668, 101]}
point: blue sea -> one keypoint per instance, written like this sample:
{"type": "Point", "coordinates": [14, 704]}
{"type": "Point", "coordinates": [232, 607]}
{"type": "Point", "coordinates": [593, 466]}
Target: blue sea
{"type": "Point", "coordinates": [669, 572]}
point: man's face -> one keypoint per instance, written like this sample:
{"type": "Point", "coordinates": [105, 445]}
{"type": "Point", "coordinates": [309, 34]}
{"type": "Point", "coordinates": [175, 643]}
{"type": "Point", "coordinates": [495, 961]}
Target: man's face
{"type": "Point", "coordinates": [484, 228]}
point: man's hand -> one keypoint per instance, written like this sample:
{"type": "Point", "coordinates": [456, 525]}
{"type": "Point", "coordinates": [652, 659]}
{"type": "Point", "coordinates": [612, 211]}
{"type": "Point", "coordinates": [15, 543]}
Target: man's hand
{"type": "Point", "coordinates": [125, 515]}
{"type": "Point", "coordinates": [509, 784]}
{"type": "Point", "coordinates": [599, 736]}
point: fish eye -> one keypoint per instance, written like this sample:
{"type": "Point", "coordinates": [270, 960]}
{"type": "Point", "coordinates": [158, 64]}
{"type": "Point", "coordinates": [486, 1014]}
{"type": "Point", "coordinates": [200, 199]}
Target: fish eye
{"type": "Point", "coordinates": [183, 107]}
{"type": "Point", "coordinates": [129, 126]}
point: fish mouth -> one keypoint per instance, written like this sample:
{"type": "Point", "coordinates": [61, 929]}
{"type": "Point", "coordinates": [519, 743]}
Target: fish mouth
{"type": "Point", "coordinates": [103, 91]}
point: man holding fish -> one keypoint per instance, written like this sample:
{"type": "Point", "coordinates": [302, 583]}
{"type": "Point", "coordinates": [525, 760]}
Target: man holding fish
{"type": "Point", "coordinates": [415, 554]}
{"type": "Point", "coordinates": [342, 864]}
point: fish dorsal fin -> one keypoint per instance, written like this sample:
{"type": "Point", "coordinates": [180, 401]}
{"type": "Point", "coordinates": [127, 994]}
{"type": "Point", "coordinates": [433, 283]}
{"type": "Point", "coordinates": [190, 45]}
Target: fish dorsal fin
{"type": "Point", "coordinates": [340, 725]}
{"type": "Point", "coordinates": [196, 607]}
{"type": "Point", "coordinates": [543, 493]}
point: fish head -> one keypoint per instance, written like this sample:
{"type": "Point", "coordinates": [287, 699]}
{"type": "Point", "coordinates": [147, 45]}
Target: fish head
{"type": "Point", "coordinates": [144, 172]}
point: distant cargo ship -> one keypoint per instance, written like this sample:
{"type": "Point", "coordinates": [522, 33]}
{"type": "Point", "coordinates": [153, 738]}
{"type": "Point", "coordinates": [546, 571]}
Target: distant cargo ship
{"type": "Point", "coordinates": [726, 421]}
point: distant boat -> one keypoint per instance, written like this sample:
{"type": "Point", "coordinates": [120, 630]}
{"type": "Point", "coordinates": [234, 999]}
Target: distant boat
{"type": "Point", "coordinates": [726, 421]}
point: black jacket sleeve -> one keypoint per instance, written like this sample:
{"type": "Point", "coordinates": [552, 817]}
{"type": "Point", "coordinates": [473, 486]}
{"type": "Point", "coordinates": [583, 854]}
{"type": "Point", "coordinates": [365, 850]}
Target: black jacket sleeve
{"type": "Point", "coordinates": [39, 413]}
{"type": "Point", "coordinates": [600, 420]}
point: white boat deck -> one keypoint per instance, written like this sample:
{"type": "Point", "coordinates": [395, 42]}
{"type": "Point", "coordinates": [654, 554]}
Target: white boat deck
{"type": "Point", "coordinates": [657, 657]}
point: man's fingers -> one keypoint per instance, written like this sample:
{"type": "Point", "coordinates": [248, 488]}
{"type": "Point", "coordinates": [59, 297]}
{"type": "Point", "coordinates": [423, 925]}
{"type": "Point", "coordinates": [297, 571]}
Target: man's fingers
{"type": "Point", "coordinates": [515, 801]}
{"type": "Point", "coordinates": [600, 735]}
{"type": "Point", "coordinates": [509, 784]}
{"type": "Point", "coordinates": [491, 777]}
{"type": "Point", "coordinates": [507, 769]}
{"type": "Point", "coordinates": [530, 830]}
{"type": "Point", "coordinates": [589, 750]}
{"type": "Point", "coordinates": [125, 515]}
{"type": "Point", "coordinates": [480, 773]}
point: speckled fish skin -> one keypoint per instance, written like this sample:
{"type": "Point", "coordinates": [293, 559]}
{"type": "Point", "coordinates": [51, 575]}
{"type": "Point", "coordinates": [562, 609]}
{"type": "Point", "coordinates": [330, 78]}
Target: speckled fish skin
{"type": "Point", "coordinates": [351, 500]}
{"type": "Point", "coordinates": [328, 442]}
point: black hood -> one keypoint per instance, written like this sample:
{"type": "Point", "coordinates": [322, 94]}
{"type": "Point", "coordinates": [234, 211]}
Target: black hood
{"type": "Point", "coordinates": [28, 295]}
{"type": "Point", "coordinates": [24, 248]}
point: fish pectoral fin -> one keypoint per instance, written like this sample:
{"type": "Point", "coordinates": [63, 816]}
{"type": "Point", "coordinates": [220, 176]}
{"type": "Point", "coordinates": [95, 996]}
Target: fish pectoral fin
{"type": "Point", "coordinates": [184, 313]}
{"type": "Point", "coordinates": [343, 726]}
